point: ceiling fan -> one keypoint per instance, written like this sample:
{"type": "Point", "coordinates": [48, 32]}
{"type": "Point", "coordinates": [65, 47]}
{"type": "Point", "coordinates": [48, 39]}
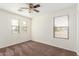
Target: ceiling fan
{"type": "Point", "coordinates": [31, 7]}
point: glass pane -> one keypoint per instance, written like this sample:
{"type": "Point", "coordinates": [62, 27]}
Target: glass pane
{"type": "Point", "coordinates": [15, 22]}
{"type": "Point", "coordinates": [61, 27]}
{"type": "Point", "coordinates": [24, 26]}
{"type": "Point", "coordinates": [24, 23]}
{"type": "Point", "coordinates": [15, 26]}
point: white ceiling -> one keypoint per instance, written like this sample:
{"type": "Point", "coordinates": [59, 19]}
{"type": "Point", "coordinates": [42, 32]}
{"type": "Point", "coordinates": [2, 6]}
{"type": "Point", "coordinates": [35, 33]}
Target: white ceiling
{"type": "Point", "coordinates": [45, 7]}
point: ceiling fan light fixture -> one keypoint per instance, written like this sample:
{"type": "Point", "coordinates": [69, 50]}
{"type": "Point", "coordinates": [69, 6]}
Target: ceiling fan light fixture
{"type": "Point", "coordinates": [31, 7]}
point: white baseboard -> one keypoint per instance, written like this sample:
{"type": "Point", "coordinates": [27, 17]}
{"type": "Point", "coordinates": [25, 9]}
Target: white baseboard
{"type": "Point", "coordinates": [55, 45]}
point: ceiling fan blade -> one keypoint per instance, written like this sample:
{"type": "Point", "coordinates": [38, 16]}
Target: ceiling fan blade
{"type": "Point", "coordinates": [36, 10]}
{"type": "Point", "coordinates": [20, 9]}
{"type": "Point", "coordinates": [30, 4]}
{"type": "Point", "coordinates": [36, 6]}
{"type": "Point", "coordinates": [24, 8]}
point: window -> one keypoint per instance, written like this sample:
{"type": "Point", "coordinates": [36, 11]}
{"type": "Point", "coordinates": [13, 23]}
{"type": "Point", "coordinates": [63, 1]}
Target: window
{"type": "Point", "coordinates": [61, 27]}
{"type": "Point", "coordinates": [15, 26]}
{"type": "Point", "coordinates": [24, 26]}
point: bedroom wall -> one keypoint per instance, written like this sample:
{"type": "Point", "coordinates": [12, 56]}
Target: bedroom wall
{"type": "Point", "coordinates": [42, 29]}
{"type": "Point", "coordinates": [78, 29]}
{"type": "Point", "coordinates": [7, 38]}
